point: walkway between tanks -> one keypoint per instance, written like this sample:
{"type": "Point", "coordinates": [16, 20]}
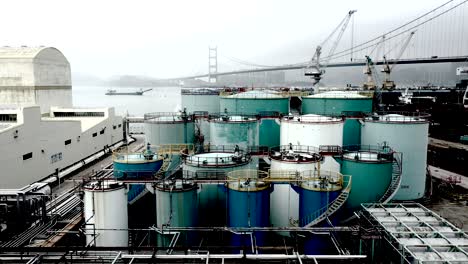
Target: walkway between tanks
{"type": "Point", "coordinates": [447, 144]}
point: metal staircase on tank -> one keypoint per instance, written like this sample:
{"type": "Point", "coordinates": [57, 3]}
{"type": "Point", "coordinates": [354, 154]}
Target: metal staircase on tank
{"type": "Point", "coordinates": [328, 210]}
{"type": "Point", "coordinates": [396, 179]}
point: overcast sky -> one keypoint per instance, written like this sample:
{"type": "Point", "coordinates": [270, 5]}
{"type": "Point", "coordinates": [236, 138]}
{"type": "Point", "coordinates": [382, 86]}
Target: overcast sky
{"type": "Point", "coordinates": [171, 38]}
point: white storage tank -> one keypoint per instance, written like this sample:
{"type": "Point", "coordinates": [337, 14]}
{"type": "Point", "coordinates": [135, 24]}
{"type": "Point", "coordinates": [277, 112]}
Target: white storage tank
{"type": "Point", "coordinates": [312, 130]}
{"type": "Point", "coordinates": [287, 162]}
{"type": "Point", "coordinates": [105, 207]}
{"type": "Point", "coordinates": [406, 133]}
{"type": "Point", "coordinates": [241, 130]}
{"type": "Point", "coordinates": [169, 128]}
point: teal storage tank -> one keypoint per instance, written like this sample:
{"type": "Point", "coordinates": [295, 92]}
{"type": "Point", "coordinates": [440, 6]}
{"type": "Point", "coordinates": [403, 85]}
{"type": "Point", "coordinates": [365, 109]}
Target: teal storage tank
{"type": "Point", "coordinates": [352, 131]}
{"type": "Point", "coordinates": [406, 133]}
{"type": "Point", "coordinates": [254, 102]}
{"type": "Point", "coordinates": [169, 128]}
{"type": "Point", "coordinates": [335, 102]}
{"type": "Point", "coordinates": [176, 204]}
{"type": "Point", "coordinates": [241, 130]}
{"type": "Point", "coordinates": [248, 204]}
{"type": "Point", "coordinates": [200, 99]}
{"type": "Point", "coordinates": [270, 129]}
{"type": "Point", "coordinates": [214, 164]}
{"type": "Point", "coordinates": [371, 169]}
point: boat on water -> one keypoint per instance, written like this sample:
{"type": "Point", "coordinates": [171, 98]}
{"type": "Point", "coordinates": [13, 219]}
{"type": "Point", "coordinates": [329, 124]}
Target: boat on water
{"type": "Point", "coordinates": [115, 92]}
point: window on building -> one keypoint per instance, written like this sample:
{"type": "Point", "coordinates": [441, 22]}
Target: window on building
{"type": "Point", "coordinates": [27, 156]}
{"type": "Point", "coordinates": [95, 134]}
{"type": "Point", "coordinates": [114, 126]}
{"type": "Point", "coordinates": [8, 118]}
{"type": "Point", "coordinates": [102, 131]}
{"type": "Point", "coordinates": [68, 142]}
{"type": "Point", "coordinates": [120, 125]}
{"type": "Point", "coordinates": [78, 114]}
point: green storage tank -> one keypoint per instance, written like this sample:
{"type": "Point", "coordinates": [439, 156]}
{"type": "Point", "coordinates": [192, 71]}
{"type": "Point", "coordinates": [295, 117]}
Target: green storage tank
{"type": "Point", "coordinates": [371, 168]}
{"type": "Point", "coordinates": [200, 99]}
{"type": "Point", "coordinates": [254, 102]}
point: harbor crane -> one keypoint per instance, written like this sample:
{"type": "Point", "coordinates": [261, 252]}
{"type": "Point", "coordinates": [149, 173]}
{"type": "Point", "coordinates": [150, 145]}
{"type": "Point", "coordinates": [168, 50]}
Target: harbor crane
{"type": "Point", "coordinates": [315, 68]}
{"type": "Point", "coordinates": [387, 68]}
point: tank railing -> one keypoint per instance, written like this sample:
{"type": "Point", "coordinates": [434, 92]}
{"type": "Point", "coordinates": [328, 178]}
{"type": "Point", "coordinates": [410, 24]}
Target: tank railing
{"type": "Point", "coordinates": [297, 177]}
{"type": "Point", "coordinates": [358, 114]}
{"type": "Point", "coordinates": [200, 114]}
{"type": "Point", "coordinates": [402, 117]}
{"type": "Point", "coordinates": [233, 116]}
{"type": "Point", "coordinates": [291, 152]}
{"type": "Point", "coordinates": [269, 114]}
{"type": "Point", "coordinates": [379, 149]}
{"type": "Point", "coordinates": [330, 149]}
{"type": "Point", "coordinates": [240, 179]}
{"type": "Point", "coordinates": [173, 149]}
{"type": "Point", "coordinates": [200, 91]}
{"type": "Point", "coordinates": [339, 93]}
{"type": "Point", "coordinates": [257, 94]}
{"type": "Point", "coordinates": [314, 118]}
{"type": "Point", "coordinates": [175, 185]}
{"type": "Point", "coordinates": [258, 150]}
{"type": "Point", "coordinates": [329, 209]}
{"type": "Point", "coordinates": [205, 175]}
{"type": "Point", "coordinates": [208, 148]}
{"type": "Point", "coordinates": [136, 157]}
{"type": "Point", "coordinates": [218, 161]}
{"type": "Point", "coordinates": [177, 116]}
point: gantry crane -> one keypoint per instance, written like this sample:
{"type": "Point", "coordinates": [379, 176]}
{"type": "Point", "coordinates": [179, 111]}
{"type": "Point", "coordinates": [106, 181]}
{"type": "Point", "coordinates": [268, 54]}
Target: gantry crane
{"type": "Point", "coordinates": [387, 68]}
{"type": "Point", "coordinates": [315, 68]}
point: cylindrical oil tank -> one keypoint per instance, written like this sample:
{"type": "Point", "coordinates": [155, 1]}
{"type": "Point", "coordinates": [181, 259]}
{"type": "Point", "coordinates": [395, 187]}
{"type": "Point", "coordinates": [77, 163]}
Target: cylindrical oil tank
{"type": "Point", "coordinates": [241, 130]}
{"type": "Point", "coordinates": [214, 164]}
{"type": "Point", "coordinates": [169, 128]}
{"type": "Point", "coordinates": [269, 134]}
{"type": "Point", "coordinates": [287, 162]}
{"type": "Point", "coordinates": [406, 133]}
{"type": "Point", "coordinates": [371, 170]}
{"type": "Point", "coordinates": [312, 130]}
{"type": "Point", "coordinates": [176, 204]}
{"type": "Point", "coordinates": [317, 190]}
{"type": "Point", "coordinates": [200, 99]}
{"type": "Point", "coordinates": [254, 102]}
{"type": "Point", "coordinates": [248, 203]}
{"type": "Point", "coordinates": [105, 207]}
{"type": "Point", "coordinates": [335, 102]}
{"type": "Point", "coordinates": [129, 165]}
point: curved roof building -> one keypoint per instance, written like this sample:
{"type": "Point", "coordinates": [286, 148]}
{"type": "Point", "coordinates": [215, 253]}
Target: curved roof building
{"type": "Point", "coordinates": [35, 76]}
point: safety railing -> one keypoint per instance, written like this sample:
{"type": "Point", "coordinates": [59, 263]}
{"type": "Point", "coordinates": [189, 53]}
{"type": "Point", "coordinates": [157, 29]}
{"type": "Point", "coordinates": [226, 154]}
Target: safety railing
{"type": "Point", "coordinates": [295, 153]}
{"type": "Point", "coordinates": [167, 117]}
{"type": "Point", "coordinates": [247, 180]}
{"type": "Point", "coordinates": [398, 117]}
{"type": "Point", "coordinates": [329, 209]}
{"type": "Point", "coordinates": [327, 118]}
{"type": "Point", "coordinates": [219, 159]}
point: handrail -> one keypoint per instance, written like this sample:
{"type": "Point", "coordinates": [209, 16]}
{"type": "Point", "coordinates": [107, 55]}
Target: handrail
{"type": "Point", "coordinates": [395, 183]}
{"type": "Point", "coordinates": [324, 212]}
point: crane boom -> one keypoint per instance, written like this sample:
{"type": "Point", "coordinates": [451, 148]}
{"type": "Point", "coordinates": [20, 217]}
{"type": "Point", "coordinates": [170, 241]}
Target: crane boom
{"type": "Point", "coordinates": [387, 69]}
{"type": "Point", "coordinates": [314, 69]}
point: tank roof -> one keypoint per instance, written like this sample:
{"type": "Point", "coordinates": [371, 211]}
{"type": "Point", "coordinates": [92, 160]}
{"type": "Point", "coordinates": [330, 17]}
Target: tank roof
{"type": "Point", "coordinates": [255, 94]}
{"type": "Point", "coordinates": [220, 158]}
{"type": "Point", "coordinates": [339, 95]}
{"type": "Point", "coordinates": [295, 154]}
{"type": "Point", "coordinates": [312, 118]}
{"type": "Point", "coordinates": [399, 118]}
{"type": "Point", "coordinates": [247, 180]}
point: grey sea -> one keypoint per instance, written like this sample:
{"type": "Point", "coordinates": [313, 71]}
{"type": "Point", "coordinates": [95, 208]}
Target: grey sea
{"type": "Point", "coordinates": [160, 99]}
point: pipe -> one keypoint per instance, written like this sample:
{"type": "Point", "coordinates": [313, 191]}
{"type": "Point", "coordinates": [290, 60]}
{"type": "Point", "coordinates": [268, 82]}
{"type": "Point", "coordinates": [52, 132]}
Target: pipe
{"type": "Point", "coordinates": [247, 256]}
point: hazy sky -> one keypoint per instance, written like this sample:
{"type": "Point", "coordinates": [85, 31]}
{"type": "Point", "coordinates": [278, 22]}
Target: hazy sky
{"type": "Point", "coordinates": [171, 38]}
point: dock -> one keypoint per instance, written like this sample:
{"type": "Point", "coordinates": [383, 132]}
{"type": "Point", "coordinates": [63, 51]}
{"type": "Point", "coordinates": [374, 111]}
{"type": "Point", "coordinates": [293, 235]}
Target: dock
{"type": "Point", "coordinates": [449, 176]}
{"type": "Point", "coordinates": [447, 144]}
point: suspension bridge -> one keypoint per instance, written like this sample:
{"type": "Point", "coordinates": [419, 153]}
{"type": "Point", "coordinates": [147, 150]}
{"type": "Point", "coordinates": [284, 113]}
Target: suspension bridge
{"type": "Point", "coordinates": [439, 37]}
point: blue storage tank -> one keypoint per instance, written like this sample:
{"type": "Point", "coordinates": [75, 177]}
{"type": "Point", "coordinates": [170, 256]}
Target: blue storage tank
{"type": "Point", "coordinates": [248, 204]}
{"type": "Point", "coordinates": [128, 165]}
{"type": "Point", "coordinates": [317, 190]}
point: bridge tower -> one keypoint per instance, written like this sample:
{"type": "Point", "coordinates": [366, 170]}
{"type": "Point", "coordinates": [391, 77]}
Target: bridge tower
{"type": "Point", "coordinates": [212, 64]}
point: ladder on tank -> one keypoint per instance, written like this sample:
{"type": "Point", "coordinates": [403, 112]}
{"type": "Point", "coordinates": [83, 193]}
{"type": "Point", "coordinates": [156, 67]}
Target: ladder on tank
{"type": "Point", "coordinates": [396, 179]}
{"type": "Point", "coordinates": [326, 211]}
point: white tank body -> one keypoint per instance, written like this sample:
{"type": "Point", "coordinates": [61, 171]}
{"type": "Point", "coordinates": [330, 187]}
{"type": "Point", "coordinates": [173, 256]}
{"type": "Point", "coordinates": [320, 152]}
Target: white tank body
{"type": "Point", "coordinates": [105, 207]}
{"type": "Point", "coordinates": [286, 162]}
{"type": "Point", "coordinates": [311, 130]}
{"type": "Point", "coordinates": [408, 135]}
